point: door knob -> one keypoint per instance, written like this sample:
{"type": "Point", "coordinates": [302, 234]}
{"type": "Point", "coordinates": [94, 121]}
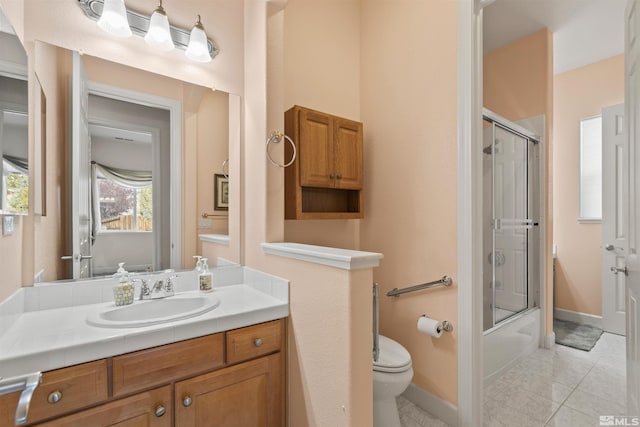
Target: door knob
{"type": "Point", "coordinates": [617, 270]}
{"type": "Point", "coordinates": [610, 247]}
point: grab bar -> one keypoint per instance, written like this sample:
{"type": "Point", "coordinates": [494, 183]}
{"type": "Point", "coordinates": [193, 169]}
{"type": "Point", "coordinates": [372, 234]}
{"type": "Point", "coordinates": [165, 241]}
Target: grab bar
{"type": "Point", "coordinates": [445, 281]}
{"type": "Point", "coordinates": [27, 384]}
{"type": "Point", "coordinates": [376, 324]}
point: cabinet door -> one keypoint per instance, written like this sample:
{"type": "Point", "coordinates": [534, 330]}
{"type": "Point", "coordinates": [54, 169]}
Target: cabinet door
{"type": "Point", "coordinates": [348, 154]}
{"type": "Point", "coordinates": [248, 394]}
{"type": "Point", "coordinates": [148, 409]}
{"type": "Point", "coordinates": [315, 148]}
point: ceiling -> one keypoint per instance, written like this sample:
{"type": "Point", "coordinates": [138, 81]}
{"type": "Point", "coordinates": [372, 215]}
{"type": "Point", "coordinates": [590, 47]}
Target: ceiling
{"type": "Point", "coordinates": [584, 31]}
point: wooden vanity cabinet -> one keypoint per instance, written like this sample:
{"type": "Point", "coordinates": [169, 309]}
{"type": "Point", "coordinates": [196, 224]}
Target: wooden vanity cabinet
{"type": "Point", "coordinates": [155, 366]}
{"type": "Point", "coordinates": [326, 180]}
{"type": "Point", "coordinates": [147, 409]}
{"type": "Point", "coordinates": [61, 391]}
{"type": "Point", "coordinates": [233, 378]}
{"type": "Point", "coordinates": [247, 394]}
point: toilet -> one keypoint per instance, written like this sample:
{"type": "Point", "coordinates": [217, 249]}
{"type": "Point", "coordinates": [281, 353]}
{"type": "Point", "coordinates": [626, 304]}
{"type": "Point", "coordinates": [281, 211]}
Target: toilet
{"type": "Point", "coordinates": [392, 374]}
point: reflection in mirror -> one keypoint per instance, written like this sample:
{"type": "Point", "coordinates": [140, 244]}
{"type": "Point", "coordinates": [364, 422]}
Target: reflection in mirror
{"type": "Point", "coordinates": [14, 140]}
{"type": "Point", "coordinates": [152, 146]}
{"type": "Point", "coordinates": [139, 125]}
{"type": "Point", "coordinates": [40, 150]}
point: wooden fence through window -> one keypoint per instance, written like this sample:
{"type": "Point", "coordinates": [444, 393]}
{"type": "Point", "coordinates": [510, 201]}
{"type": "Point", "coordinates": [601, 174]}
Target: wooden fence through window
{"type": "Point", "coordinates": [125, 223]}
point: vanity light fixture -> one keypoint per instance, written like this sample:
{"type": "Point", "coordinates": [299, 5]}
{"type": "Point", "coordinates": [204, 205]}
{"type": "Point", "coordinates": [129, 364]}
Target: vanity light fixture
{"type": "Point", "coordinates": [159, 34]}
{"type": "Point", "coordinates": [114, 18]}
{"type": "Point", "coordinates": [197, 49]}
{"type": "Point", "coordinates": [203, 49]}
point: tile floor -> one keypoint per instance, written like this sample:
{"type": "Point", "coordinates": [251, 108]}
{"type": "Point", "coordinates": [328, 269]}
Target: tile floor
{"type": "Point", "coordinates": [559, 387]}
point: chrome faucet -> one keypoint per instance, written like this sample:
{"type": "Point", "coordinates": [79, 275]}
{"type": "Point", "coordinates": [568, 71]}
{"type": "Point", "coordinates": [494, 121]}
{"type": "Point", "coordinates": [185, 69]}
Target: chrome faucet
{"type": "Point", "coordinates": [160, 289]}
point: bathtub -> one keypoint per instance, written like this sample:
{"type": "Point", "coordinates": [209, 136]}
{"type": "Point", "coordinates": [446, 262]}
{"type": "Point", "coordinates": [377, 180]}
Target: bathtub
{"type": "Point", "coordinates": [509, 341]}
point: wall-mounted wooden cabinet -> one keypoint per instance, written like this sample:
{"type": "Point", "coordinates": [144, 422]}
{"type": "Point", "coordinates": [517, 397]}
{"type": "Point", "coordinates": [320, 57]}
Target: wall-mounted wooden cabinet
{"type": "Point", "coordinates": [326, 180]}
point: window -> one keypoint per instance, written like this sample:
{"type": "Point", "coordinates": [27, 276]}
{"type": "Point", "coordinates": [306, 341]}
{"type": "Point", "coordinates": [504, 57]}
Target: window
{"type": "Point", "coordinates": [590, 170]}
{"type": "Point", "coordinates": [123, 208]}
{"type": "Point", "coordinates": [15, 181]}
{"type": "Point", "coordinates": [122, 200]}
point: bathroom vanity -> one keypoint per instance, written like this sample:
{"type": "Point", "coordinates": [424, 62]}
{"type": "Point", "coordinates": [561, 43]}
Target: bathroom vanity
{"type": "Point", "coordinates": [224, 366]}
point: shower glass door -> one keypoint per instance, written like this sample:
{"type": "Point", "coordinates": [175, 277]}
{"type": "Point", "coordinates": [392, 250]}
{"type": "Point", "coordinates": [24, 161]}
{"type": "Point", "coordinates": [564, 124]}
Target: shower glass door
{"type": "Point", "coordinates": [511, 223]}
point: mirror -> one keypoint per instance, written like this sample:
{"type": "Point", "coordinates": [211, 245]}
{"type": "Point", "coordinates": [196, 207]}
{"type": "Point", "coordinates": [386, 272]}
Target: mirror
{"type": "Point", "coordinates": [14, 141]}
{"type": "Point", "coordinates": [152, 140]}
{"type": "Point", "coordinates": [32, 253]}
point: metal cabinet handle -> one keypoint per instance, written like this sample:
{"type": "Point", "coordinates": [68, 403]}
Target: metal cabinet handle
{"type": "Point", "coordinates": [609, 247]}
{"type": "Point", "coordinates": [27, 384]}
{"type": "Point", "coordinates": [332, 176]}
{"type": "Point", "coordinates": [160, 411]}
{"type": "Point", "coordinates": [339, 177]}
{"type": "Point", "coordinates": [54, 396]}
{"type": "Point", "coordinates": [186, 401]}
{"type": "Point", "coordinates": [257, 342]}
{"type": "Point", "coordinates": [617, 270]}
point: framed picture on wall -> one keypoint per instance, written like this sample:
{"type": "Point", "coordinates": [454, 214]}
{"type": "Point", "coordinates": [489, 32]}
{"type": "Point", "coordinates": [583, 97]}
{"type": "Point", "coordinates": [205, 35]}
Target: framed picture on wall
{"type": "Point", "coordinates": [220, 192]}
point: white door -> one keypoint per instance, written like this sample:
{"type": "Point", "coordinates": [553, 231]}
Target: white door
{"type": "Point", "coordinates": [80, 173]}
{"type": "Point", "coordinates": [631, 174]}
{"type": "Point", "coordinates": [511, 223]}
{"type": "Point", "coordinates": [614, 230]}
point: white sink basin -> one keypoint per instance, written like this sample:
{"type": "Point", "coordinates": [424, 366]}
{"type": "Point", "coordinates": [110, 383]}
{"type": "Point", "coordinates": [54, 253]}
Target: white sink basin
{"type": "Point", "coordinates": [153, 312]}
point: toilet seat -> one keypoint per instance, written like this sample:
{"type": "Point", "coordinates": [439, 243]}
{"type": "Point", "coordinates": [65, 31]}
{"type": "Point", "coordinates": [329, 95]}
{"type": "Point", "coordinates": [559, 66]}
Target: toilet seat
{"type": "Point", "coordinates": [393, 356]}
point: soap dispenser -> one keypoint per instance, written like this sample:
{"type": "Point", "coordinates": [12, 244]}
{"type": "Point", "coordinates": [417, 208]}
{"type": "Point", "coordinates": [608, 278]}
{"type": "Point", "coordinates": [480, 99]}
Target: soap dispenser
{"type": "Point", "coordinates": [205, 278]}
{"type": "Point", "coordinates": [124, 290]}
{"type": "Point", "coordinates": [198, 263]}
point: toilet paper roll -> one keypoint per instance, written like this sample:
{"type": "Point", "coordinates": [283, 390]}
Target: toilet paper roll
{"type": "Point", "coordinates": [430, 326]}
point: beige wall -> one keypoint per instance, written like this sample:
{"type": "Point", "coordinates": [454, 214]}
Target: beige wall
{"type": "Point", "coordinates": [517, 84]}
{"type": "Point", "coordinates": [324, 390]}
{"type": "Point", "coordinates": [409, 110]}
{"type": "Point", "coordinates": [321, 52]}
{"type": "Point", "coordinates": [51, 67]}
{"type": "Point", "coordinates": [212, 150]}
{"type": "Point", "coordinates": [324, 63]}
{"type": "Point", "coordinates": [11, 260]}
{"type": "Point", "coordinates": [579, 94]}
{"type": "Point", "coordinates": [515, 77]}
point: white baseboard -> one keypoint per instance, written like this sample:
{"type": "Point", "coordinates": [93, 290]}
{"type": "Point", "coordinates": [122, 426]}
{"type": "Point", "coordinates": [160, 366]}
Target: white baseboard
{"type": "Point", "coordinates": [431, 403]}
{"type": "Point", "coordinates": [550, 340]}
{"type": "Point", "coordinates": [577, 317]}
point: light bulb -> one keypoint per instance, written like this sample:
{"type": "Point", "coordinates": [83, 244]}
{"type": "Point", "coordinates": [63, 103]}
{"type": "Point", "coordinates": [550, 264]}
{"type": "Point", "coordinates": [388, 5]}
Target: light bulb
{"type": "Point", "coordinates": [159, 34]}
{"type": "Point", "coordinates": [114, 18]}
{"type": "Point", "coordinates": [198, 49]}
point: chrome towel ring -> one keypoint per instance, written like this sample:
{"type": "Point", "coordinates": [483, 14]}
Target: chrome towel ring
{"type": "Point", "coordinates": [277, 137]}
{"type": "Point", "coordinates": [225, 164]}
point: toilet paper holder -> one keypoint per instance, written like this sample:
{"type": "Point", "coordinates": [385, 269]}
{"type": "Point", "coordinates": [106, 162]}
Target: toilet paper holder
{"type": "Point", "coordinates": [446, 325]}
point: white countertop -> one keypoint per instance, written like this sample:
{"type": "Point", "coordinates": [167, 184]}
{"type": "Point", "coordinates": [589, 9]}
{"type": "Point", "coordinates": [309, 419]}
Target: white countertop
{"type": "Point", "coordinates": [221, 239]}
{"type": "Point", "coordinates": [43, 340]}
{"type": "Point", "coordinates": [346, 259]}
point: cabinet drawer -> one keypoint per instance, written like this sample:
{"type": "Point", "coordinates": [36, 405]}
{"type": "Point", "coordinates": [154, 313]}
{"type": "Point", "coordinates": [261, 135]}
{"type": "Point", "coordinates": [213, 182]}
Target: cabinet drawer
{"type": "Point", "coordinates": [148, 409]}
{"type": "Point", "coordinates": [160, 365]}
{"type": "Point", "coordinates": [68, 389]}
{"type": "Point", "coordinates": [254, 341]}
